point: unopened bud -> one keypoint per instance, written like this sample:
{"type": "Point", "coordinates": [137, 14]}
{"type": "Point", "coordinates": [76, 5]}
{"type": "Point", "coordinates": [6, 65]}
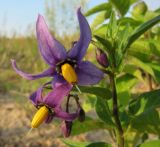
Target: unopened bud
{"type": "Point", "coordinates": [66, 128]}
{"type": "Point", "coordinates": [69, 73]}
{"type": "Point", "coordinates": [40, 116]}
{"type": "Point", "coordinates": [102, 58]}
{"type": "Point", "coordinates": [81, 115]}
{"type": "Point", "coordinates": [139, 9]}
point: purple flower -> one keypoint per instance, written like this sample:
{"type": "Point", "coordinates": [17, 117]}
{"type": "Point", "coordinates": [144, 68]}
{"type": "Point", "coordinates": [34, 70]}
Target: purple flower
{"type": "Point", "coordinates": [51, 104]}
{"type": "Point", "coordinates": [65, 66]}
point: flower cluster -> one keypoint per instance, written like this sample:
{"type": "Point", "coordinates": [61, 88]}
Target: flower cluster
{"type": "Point", "coordinates": [66, 69]}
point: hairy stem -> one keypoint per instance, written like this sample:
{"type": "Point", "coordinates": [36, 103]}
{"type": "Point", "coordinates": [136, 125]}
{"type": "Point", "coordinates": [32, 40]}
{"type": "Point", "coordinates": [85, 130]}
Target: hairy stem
{"type": "Point", "coordinates": [119, 131]}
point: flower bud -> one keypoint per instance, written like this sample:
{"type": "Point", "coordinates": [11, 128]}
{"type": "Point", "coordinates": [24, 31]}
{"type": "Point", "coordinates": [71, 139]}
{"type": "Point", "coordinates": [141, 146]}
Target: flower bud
{"type": "Point", "coordinates": [66, 128]}
{"type": "Point", "coordinates": [69, 73]}
{"type": "Point", "coordinates": [81, 115]}
{"type": "Point", "coordinates": [102, 58]}
{"type": "Point", "coordinates": [139, 9]}
{"type": "Point", "coordinates": [40, 116]}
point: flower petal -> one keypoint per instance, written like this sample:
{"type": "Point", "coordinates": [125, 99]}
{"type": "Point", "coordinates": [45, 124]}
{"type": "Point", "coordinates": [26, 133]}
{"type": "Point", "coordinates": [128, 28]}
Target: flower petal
{"type": "Point", "coordinates": [58, 80]}
{"type": "Point", "coordinates": [79, 49]}
{"type": "Point", "coordinates": [88, 73]}
{"type": "Point", "coordinates": [65, 115]}
{"type": "Point", "coordinates": [55, 97]}
{"type": "Point", "coordinates": [36, 97]}
{"type": "Point", "coordinates": [47, 73]}
{"type": "Point", "coordinates": [51, 50]}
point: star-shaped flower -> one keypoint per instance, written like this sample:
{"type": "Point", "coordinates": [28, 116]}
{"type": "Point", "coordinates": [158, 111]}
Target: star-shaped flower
{"type": "Point", "coordinates": [65, 66]}
{"type": "Point", "coordinates": [49, 106]}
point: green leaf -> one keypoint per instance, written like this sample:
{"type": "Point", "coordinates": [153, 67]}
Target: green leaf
{"type": "Point", "coordinates": [125, 82]}
{"type": "Point", "coordinates": [98, 91]}
{"type": "Point", "coordinates": [148, 121]}
{"type": "Point", "coordinates": [121, 6]}
{"type": "Point", "coordinates": [145, 101]}
{"type": "Point", "coordinates": [141, 29]}
{"type": "Point", "coordinates": [71, 143]}
{"type": "Point", "coordinates": [124, 85]}
{"type": "Point", "coordinates": [103, 111]}
{"type": "Point", "coordinates": [112, 27]}
{"type": "Point", "coordinates": [146, 114]}
{"type": "Point", "coordinates": [99, 144]}
{"type": "Point", "coordinates": [153, 143]}
{"type": "Point", "coordinates": [98, 8]}
{"type": "Point", "coordinates": [88, 125]}
{"type": "Point", "coordinates": [106, 43]}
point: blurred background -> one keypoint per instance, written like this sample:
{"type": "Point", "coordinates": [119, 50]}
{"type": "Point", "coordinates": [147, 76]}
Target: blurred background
{"type": "Point", "coordinates": [18, 41]}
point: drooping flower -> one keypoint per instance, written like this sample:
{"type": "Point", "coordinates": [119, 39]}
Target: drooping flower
{"type": "Point", "coordinates": [65, 66]}
{"type": "Point", "coordinates": [66, 128]}
{"type": "Point", "coordinates": [49, 106]}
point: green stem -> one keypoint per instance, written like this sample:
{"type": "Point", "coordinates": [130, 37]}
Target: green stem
{"type": "Point", "coordinates": [119, 131]}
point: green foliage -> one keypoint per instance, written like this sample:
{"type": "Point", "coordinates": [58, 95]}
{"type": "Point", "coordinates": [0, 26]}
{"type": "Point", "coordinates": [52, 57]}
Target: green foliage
{"type": "Point", "coordinates": [141, 29]}
{"type": "Point", "coordinates": [146, 114]}
{"type": "Point", "coordinates": [98, 91]}
{"type": "Point", "coordinates": [121, 6]}
{"type": "Point", "coordinates": [85, 144]}
{"type": "Point", "coordinates": [153, 143]}
{"type": "Point", "coordinates": [132, 46]}
{"type": "Point", "coordinates": [103, 111]}
{"type": "Point", "coordinates": [98, 8]}
{"type": "Point", "coordinates": [89, 125]}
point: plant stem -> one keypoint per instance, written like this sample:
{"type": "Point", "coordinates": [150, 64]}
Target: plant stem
{"type": "Point", "coordinates": [119, 131]}
{"type": "Point", "coordinates": [150, 82]}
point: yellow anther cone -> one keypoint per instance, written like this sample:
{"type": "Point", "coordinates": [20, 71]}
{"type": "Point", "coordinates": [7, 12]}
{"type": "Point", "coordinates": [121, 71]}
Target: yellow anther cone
{"type": "Point", "coordinates": [69, 73]}
{"type": "Point", "coordinates": [40, 116]}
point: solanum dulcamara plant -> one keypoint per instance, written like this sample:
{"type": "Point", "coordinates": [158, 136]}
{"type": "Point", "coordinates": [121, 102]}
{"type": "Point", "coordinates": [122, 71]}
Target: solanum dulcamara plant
{"type": "Point", "coordinates": [128, 117]}
{"type": "Point", "coordinates": [67, 69]}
